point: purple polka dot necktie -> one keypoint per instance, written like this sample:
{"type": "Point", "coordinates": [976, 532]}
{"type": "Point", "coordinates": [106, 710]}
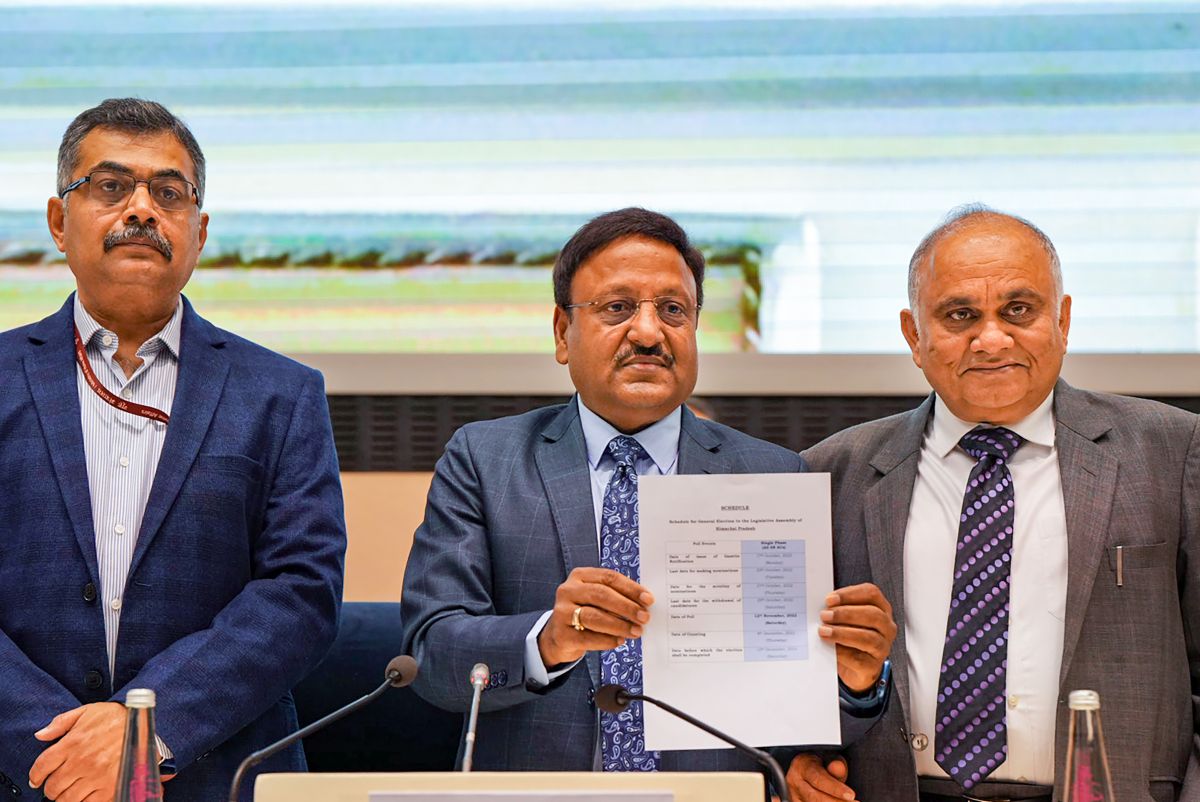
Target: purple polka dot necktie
{"type": "Point", "coordinates": [971, 735]}
{"type": "Point", "coordinates": [623, 735]}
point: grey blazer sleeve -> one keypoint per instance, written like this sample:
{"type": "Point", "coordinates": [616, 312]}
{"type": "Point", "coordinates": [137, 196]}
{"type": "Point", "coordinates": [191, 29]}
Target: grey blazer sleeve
{"type": "Point", "coordinates": [450, 619]}
{"type": "Point", "coordinates": [1188, 572]}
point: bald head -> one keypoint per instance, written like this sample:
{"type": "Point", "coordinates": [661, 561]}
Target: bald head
{"type": "Point", "coordinates": [993, 321]}
{"type": "Point", "coordinates": [968, 216]}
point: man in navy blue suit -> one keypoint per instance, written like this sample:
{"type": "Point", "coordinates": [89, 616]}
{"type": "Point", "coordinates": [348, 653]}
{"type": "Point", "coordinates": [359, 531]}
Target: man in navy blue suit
{"type": "Point", "coordinates": [169, 493]}
{"type": "Point", "coordinates": [517, 566]}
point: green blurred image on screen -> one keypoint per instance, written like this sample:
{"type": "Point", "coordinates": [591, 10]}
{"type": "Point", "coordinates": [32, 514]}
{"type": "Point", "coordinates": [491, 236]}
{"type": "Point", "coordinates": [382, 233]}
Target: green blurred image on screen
{"type": "Point", "coordinates": [399, 178]}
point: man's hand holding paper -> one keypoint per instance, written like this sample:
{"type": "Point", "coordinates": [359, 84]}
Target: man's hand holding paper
{"type": "Point", "coordinates": [858, 620]}
{"type": "Point", "coordinates": [595, 609]}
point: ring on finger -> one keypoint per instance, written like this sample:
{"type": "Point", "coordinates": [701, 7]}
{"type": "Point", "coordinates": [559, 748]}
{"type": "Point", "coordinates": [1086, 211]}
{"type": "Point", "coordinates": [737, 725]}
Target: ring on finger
{"type": "Point", "coordinates": [576, 624]}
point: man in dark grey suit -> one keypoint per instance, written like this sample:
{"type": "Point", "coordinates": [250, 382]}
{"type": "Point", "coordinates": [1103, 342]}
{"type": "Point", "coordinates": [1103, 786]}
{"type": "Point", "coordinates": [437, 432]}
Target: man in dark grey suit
{"type": "Point", "coordinates": [1080, 518]}
{"type": "Point", "coordinates": [515, 565]}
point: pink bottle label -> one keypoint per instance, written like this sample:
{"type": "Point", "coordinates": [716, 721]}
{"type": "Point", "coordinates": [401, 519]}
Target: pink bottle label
{"type": "Point", "coordinates": [143, 787]}
{"type": "Point", "coordinates": [1084, 787]}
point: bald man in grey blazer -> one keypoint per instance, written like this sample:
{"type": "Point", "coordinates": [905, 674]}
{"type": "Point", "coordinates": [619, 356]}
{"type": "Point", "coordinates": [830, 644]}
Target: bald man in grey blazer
{"type": "Point", "coordinates": [1102, 560]}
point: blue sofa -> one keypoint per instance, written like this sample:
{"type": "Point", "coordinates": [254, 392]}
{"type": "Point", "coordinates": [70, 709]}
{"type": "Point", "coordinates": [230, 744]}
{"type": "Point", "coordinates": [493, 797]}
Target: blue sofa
{"type": "Point", "coordinates": [400, 731]}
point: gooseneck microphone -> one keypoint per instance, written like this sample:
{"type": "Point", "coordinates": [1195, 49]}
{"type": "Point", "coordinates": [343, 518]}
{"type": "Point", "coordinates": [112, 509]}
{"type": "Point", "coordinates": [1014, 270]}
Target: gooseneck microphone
{"type": "Point", "coordinates": [479, 681]}
{"type": "Point", "coordinates": [401, 671]}
{"type": "Point", "coordinates": [614, 699]}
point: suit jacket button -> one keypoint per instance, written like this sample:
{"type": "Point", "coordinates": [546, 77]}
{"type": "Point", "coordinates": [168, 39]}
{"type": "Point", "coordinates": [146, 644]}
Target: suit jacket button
{"type": "Point", "coordinates": [89, 593]}
{"type": "Point", "coordinates": [93, 680]}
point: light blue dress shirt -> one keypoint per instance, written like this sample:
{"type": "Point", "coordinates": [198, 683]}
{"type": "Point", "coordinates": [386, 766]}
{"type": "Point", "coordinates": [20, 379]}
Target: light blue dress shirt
{"type": "Point", "coordinates": [661, 442]}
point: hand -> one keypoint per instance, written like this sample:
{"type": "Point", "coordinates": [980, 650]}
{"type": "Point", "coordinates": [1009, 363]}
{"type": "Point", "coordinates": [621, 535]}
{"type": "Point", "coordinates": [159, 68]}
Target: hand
{"type": "Point", "coordinates": [810, 781]}
{"type": "Point", "coordinates": [613, 609]}
{"type": "Point", "coordinates": [83, 765]}
{"type": "Point", "coordinates": [858, 619]}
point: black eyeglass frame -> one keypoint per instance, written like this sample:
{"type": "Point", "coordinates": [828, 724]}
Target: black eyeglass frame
{"type": "Point", "coordinates": [87, 179]}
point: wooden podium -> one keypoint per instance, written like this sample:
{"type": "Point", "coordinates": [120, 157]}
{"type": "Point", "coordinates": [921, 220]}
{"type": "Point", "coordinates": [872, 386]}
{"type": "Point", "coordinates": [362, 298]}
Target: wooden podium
{"type": "Point", "coordinates": [687, 786]}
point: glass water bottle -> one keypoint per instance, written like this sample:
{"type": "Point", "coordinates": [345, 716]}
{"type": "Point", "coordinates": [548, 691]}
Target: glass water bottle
{"type": "Point", "coordinates": [1086, 778]}
{"type": "Point", "coordinates": [139, 780]}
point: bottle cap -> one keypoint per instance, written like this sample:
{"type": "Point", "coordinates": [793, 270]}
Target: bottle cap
{"type": "Point", "coordinates": [139, 697]}
{"type": "Point", "coordinates": [1084, 700]}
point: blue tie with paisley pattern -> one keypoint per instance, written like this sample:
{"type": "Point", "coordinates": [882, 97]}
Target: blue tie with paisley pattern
{"type": "Point", "coordinates": [972, 735]}
{"type": "Point", "coordinates": [623, 734]}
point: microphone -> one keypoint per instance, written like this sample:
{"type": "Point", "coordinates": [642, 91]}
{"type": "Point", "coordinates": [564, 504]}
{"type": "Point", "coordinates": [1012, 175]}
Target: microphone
{"type": "Point", "coordinates": [614, 699]}
{"type": "Point", "coordinates": [479, 681]}
{"type": "Point", "coordinates": [400, 671]}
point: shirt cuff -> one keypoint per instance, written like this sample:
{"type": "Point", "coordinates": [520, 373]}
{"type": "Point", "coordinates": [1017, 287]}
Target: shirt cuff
{"type": "Point", "coordinates": [166, 758]}
{"type": "Point", "coordinates": [871, 702]}
{"type": "Point", "coordinates": [536, 672]}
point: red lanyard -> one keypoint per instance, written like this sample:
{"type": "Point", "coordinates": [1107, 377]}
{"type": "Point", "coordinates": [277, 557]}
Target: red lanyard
{"type": "Point", "coordinates": [102, 391]}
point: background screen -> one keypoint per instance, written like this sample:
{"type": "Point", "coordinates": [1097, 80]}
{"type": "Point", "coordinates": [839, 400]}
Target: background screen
{"type": "Point", "coordinates": [399, 178]}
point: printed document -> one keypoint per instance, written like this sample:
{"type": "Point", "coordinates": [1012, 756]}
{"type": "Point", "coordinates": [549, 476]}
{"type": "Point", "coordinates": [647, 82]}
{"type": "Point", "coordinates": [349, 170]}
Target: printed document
{"type": "Point", "coordinates": [740, 566]}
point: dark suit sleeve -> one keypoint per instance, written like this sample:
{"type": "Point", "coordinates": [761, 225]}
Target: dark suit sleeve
{"type": "Point", "coordinates": [214, 682]}
{"type": "Point", "coordinates": [1189, 594]}
{"type": "Point", "coordinates": [29, 699]}
{"type": "Point", "coordinates": [450, 618]}
{"type": "Point", "coordinates": [856, 723]}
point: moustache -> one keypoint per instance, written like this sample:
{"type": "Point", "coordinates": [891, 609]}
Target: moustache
{"type": "Point", "coordinates": [642, 350]}
{"type": "Point", "coordinates": [145, 235]}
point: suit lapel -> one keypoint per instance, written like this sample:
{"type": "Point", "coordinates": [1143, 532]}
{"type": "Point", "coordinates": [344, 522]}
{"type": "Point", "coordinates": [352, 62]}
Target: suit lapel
{"type": "Point", "coordinates": [885, 512]}
{"type": "Point", "coordinates": [203, 367]}
{"type": "Point", "coordinates": [561, 459]}
{"type": "Point", "coordinates": [50, 370]}
{"type": "Point", "coordinates": [699, 447]}
{"type": "Point", "coordinates": [1089, 478]}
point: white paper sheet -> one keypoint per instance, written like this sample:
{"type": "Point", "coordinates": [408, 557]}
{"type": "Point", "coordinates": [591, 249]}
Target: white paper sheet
{"type": "Point", "coordinates": [740, 566]}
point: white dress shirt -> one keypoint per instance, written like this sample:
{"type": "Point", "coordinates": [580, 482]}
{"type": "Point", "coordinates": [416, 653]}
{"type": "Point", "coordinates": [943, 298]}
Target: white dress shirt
{"type": "Point", "coordinates": [121, 451]}
{"type": "Point", "coordinates": [1038, 588]}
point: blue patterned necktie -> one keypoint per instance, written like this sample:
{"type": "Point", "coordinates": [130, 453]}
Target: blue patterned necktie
{"type": "Point", "coordinates": [624, 734]}
{"type": "Point", "coordinates": [972, 737]}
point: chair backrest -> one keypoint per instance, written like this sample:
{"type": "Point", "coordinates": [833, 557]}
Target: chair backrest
{"type": "Point", "coordinates": [400, 731]}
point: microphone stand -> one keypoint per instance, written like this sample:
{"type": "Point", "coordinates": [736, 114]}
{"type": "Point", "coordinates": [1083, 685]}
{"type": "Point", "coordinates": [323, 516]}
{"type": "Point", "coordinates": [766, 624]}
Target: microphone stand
{"type": "Point", "coordinates": [479, 680]}
{"type": "Point", "coordinates": [621, 699]}
{"type": "Point", "coordinates": [399, 674]}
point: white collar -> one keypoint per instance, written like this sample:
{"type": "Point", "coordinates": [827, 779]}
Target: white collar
{"type": "Point", "coordinates": [946, 429]}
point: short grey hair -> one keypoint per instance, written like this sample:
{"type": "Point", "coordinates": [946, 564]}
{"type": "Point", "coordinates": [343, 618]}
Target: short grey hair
{"type": "Point", "coordinates": [130, 115]}
{"type": "Point", "coordinates": [959, 218]}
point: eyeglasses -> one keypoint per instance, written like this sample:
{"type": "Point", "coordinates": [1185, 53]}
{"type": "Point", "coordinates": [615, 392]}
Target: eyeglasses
{"type": "Point", "coordinates": [616, 309]}
{"type": "Point", "coordinates": [107, 188]}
